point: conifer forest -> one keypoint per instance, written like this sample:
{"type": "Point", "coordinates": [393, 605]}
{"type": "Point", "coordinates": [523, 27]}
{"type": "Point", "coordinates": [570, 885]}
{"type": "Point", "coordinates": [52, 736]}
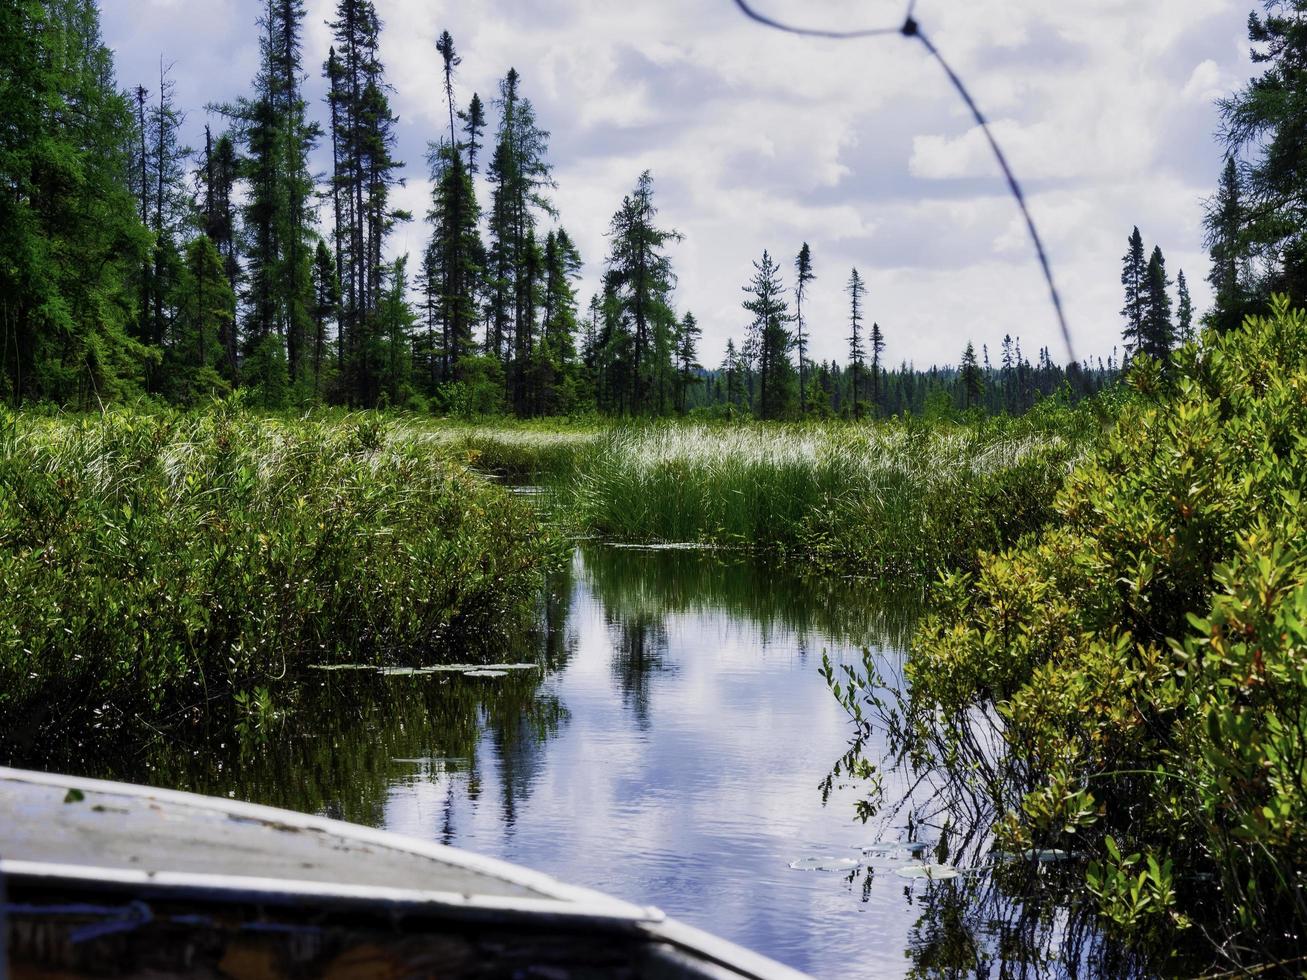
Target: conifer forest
{"type": "Point", "coordinates": [637, 443]}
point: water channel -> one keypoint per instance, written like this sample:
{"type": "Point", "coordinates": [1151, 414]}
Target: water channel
{"type": "Point", "coordinates": [668, 749]}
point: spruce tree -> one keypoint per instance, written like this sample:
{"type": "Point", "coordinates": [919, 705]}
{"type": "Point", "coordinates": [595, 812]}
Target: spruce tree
{"type": "Point", "coordinates": [876, 347]}
{"type": "Point", "coordinates": [445, 48]}
{"type": "Point", "coordinates": [1264, 123]}
{"type": "Point", "coordinates": [206, 312]}
{"type": "Point", "coordinates": [802, 276]}
{"type": "Point", "coordinates": [687, 343]}
{"type": "Point", "coordinates": [641, 281]}
{"type": "Point", "coordinates": [1227, 244]}
{"type": "Point", "coordinates": [474, 124]}
{"type": "Point", "coordinates": [326, 309]}
{"type": "Point", "coordinates": [856, 290]}
{"type": "Point", "coordinates": [364, 171]}
{"type": "Point", "coordinates": [770, 315]}
{"type": "Point", "coordinates": [969, 376]}
{"type": "Point", "coordinates": [218, 223]}
{"type": "Point", "coordinates": [1134, 282]}
{"type": "Point", "coordinates": [1157, 330]}
{"type": "Point", "coordinates": [1184, 310]}
{"type": "Point", "coordinates": [455, 259]}
{"type": "Point", "coordinates": [559, 389]}
{"type": "Point", "coordinates": [520, 178]}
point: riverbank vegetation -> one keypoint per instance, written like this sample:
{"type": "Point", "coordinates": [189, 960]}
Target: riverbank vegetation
{"type": "Point", "coordinates": [154, 564]}
{"type": "Point", "coordinates": [1139, 665]}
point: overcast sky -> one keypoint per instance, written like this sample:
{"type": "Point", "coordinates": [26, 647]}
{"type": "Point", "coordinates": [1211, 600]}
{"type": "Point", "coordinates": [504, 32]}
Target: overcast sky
{"type": "Point", "coordinates": [762, 140]}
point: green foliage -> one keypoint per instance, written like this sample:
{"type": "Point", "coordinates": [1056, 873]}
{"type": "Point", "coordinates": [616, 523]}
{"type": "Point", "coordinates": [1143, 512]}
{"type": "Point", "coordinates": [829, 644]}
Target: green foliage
{"type": "Point", "coordinates": [1256, 226]}
{"type": "Point", "coordinates": [151, 564]}
{"type": "Point", "coordinates": [69, 236]}
{"type": "Point", "coordinates": [1148, 654]}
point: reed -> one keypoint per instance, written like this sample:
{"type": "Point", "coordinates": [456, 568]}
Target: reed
{"type": "Point", "coordinates": [893, 498]}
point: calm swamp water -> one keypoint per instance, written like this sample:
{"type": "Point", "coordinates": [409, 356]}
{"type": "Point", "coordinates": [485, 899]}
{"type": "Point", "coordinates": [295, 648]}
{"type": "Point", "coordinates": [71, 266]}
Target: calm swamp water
{"type": "Point", "coordinates": [668, 748]}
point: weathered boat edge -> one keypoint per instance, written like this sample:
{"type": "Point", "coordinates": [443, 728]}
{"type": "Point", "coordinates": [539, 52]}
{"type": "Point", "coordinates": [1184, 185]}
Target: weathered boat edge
{"type": "Point", "coordinates": [557, 901]}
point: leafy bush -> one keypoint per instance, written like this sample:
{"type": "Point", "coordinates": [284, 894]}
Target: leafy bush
{"type": "Point", "coordinates": [157, 562]}
{"type": "Point", "coordinates": [1147, 657]}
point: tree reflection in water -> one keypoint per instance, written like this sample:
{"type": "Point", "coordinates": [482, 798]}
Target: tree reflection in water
{"type": "Point", "coordinates": [467, 757]}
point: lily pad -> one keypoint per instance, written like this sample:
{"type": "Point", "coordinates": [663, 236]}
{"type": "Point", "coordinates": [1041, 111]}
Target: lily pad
{"type": "Point", "coordinates": [825, 864]}
{"type": "Point", "coordinates": [485, 673]}
{"type": "Point", "coordinates": [933, 872]}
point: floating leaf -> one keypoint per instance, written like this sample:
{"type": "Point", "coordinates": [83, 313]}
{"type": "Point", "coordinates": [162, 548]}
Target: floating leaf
{"type": "Point", "coordinates": [933, 872]}
{"type": "Point", "coordinates": [825, 864]}
{"type": "Point", "coordinates": [486, 673]}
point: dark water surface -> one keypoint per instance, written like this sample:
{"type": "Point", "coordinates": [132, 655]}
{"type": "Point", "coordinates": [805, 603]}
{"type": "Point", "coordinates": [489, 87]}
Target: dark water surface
{"type": "Point", "coordinates": [669, 750]}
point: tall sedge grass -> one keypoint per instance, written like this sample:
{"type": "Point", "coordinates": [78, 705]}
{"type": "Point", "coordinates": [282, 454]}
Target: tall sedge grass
{"type": "Point", "coordinates": [519, 453]}
{"type": "Point", "coordinates": [153, 563]}
{"type": "Point", "coordinates": [890, 498]}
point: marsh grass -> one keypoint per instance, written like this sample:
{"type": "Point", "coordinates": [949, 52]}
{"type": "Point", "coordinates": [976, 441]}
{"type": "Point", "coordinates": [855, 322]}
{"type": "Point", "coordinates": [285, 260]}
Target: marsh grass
{"type": "Point", "coordinates": [893, 498]}
{"type": "Point", "coordinates": [517, 453]}
{"type": "Point", "coordinates": [151, 564]}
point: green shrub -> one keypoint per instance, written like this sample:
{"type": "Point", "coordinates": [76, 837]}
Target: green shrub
{"type": "Point", "coordinates": [155, 562]}
{"type": "Point", "coordinates": [1147, 657]}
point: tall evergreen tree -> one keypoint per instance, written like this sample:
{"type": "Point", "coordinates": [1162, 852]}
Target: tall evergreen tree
{"type": "Point", "coordinates": [1157, 331]}
{"type": "Point", "coordinates": [326, 309]}
{"type": "Point", "coordinates": [364, 171]}
{"type": "Point", "coordinates": [520, 179]}
{"type": "Point", "coordinates": [70, 233]}
{"type": "Point", "coordinates": [1184, 309]}
{"type": "Point", "coordinates": [159, 183]}
{"type": "Point", "coordinates": [857, 353]}
{"type": "Point", "coordinates": [970, 378]}
{"type": "Point", "coordinates": [641, 279]}
{"type": "Point", "coordinates": [557, 350]}
{"type": "Point", "coordinates": [1266, 121]}
{"type": "Point", "coordinates": [1134, 282]}
{"type": "Point", "coordinates": [687, 350]}
{"type": "Point", "coordinates": [455, 257]}
{"type": "Point", "coordinates": [876, 346]}
{"type": "Point", "coordinates": [802, 276]}
{"type": "Point", "coordinates": [474, 125]}
{"type": "Point", "coordinates": [770, 315]}
{"type": "Point", "coordinates": [206, 312]}
{"type": "Point", "coordinates": [218, 224]}
{"type": "Point", "coordinates": [278, 237]}
{"type": "Point", "coordinates": [1227, 244]}
{"type": "Point", "coordinates": [445, 48]}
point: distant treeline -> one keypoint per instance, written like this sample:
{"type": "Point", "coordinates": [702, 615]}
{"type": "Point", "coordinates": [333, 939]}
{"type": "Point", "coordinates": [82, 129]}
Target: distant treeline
{"type": "Point", "coordinates": [133, 266]}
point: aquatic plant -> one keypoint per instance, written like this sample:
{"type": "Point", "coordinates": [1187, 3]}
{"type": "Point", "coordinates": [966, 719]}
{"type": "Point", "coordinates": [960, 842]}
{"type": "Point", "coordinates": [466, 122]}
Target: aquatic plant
{"type": "Point", "coordinates": [153, 564]}
{"type": "Point", "coordinates": [897, 498]}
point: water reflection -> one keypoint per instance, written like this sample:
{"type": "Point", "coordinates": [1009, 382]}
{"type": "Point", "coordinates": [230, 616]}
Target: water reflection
{"type": "Point", "coordinates": [668, 750]}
